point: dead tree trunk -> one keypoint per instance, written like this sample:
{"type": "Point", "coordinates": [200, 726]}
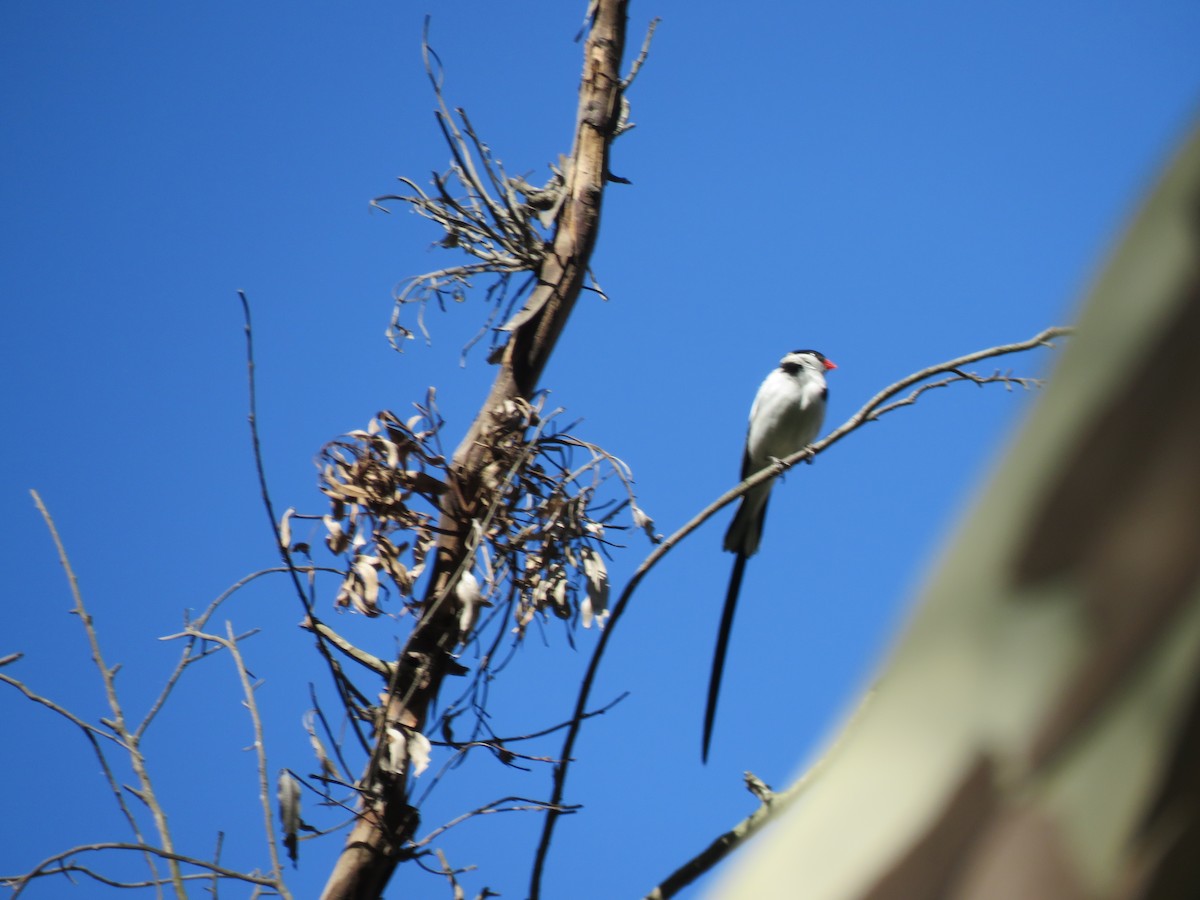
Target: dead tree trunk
{"type": "Point", "coordinates": [375, 845]}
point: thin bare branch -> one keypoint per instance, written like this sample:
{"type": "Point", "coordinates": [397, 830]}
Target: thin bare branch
{"type": "Point", "coordinates": [643, 54]}
{"type": "Point", "coordinates": [285, 551]}
{"type": "Point", "coordinates": [380, 667]}
{"type": "Point", "coordinates": [455, 141]}
{"type": "Point", "coordinates": [47, 866]}
{"type": "Point", "coordinates": [499, 747]}
{"type": "Point", "coordinates": [450, 873]}
{"type": "Point", "coordinates": [771, 806]}
{"type": "Point", "coordinates": [336, 744]}
{"type": "Point", "coordinates": [230, 643]}
{"type": "Point", "coordinates": [545, 731]}
{"type": "Point", "coordinates": [1008, 380]}
{"type": "Point", "coordinates": [869, 412]}
{"type": "Point", "coordinates": [522, 804]}
{"type": "Point", "coordinates": [187, 656]}
{"type": "Point", "coordinates": [86, 727]}
{"type": "Point", "coordinates": [107, 677]}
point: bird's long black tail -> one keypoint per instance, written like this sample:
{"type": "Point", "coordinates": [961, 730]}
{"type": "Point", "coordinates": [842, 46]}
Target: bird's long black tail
{"type": "Point", "coordinates": [714, 684]}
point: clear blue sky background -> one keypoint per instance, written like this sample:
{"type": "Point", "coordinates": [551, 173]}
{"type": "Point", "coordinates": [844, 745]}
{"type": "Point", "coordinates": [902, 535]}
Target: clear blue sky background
{"type": "Point", "coordinates": [894, 184]}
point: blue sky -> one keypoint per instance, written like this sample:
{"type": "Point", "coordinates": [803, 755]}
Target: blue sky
{"type": "Point", "coordinates": [893, 186]}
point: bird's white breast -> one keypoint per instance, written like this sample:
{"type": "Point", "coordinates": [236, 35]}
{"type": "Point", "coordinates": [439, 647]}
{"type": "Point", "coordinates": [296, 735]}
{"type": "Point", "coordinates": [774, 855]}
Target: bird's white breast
{"type": "Point", "coordinates": [787, 415]}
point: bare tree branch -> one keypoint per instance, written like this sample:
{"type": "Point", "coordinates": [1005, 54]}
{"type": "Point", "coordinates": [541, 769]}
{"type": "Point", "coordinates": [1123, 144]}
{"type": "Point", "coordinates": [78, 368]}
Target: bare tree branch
{"type": "Point", "coordinates": [380, 667]}
{"type": "Point", "coordinates": [345, 690]}
{"type": "Point", "coordinates": [86, 727]}
{"type": "Point", "coordinates": [499, 747]}
{"type": "Point", "coordinates": [869, 412]}
{"type": "Point", "coordinates": [129, 741]}
{"type": "Point", "coordinates": [450, 873]}
{"type": "Point", "coordinates": [188, 657]}
{"type": "Point", "coordinates": [522, 804]}
{"type": "Point", "coordinates": [643, 54]}
{"type": "Point", "coordinates": [230, 643]}
{"type": "Point", "coordinates": [117, 723]}
{"type": "Point", "coordinates": [771, 805]}
{"type": "Point", "coordinates": [47, 867]}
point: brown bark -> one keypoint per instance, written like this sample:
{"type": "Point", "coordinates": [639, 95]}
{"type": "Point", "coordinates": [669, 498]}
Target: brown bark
{"type": "Point", "coordinates": [375, 845]}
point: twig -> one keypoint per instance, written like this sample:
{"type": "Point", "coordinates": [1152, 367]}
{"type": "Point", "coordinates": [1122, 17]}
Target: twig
{"type": "Point", "coordinates": [1007, 380]}
{"type": "Point", "coordinates": [545, 731]}
{"type": "Point", "coordinates": [230, 643]}
{"type": "Point", "coordinates": [259, 466]}
{"type": "Point", "coordinates": [870, 411]}
{"type": "Point", "coordinates": [42, 869]}
{"type": "Point", "coordinates": [91, 733]}
{"type": "Point", "coordinates": [86, 727]}
{"type": "Point", "coordinates": [491, 808]}
{"type": "Point", "coordinates": [285, 551]}
{"type": "Point", "coordinates": [455, 887]}
{"type": "Point", "coordinates": [214, 878]}
{"type": "Point", "coordinates": [187, 658]}
{"type": "Point", "coordinates": [110, 779]}
{"type": "Point", "coordinates": [771, 806]}
{"type": "Point", "coordinates": [497, 745]}
{"type": "Point", "coordinates": [335, 743]}
{"type": "Point", "coordinates": [107, 676]}
{"type": "Point", "coordinates": [369, 661]}
{"type": "Point", "coordinates": [642, 55]}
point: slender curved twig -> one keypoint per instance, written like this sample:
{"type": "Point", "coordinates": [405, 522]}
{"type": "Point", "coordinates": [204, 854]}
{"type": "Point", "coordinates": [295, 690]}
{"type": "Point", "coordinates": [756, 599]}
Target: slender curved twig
{"type": "Point", "coordinates": [19, 883]}
{"type": "Point", "coordinates": [284, 550]}
{"type": "Point", "coordinates": [869, 412]}
{"type": "Point", "coordinates": [527, 805]}
{"type": "Point", "coordinates": [86, 727]}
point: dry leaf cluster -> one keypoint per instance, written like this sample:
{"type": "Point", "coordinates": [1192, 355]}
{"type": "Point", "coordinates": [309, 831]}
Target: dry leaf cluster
{"type": "Point", "coordinates": [541, 537]}
{"type": "Point", "coordinates": [373, 478]}
{"type": "Point", "coordinates": [502, 222]}
{"type": "Point", "coordinates": [537, 547]}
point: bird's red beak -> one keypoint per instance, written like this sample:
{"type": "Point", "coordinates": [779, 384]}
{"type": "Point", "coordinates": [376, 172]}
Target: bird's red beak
{"type": "Point", "coordinates": [829, 364]}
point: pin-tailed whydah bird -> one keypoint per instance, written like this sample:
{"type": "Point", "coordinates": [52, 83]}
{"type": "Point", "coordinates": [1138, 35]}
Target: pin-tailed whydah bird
{"type": "Point", "coordinates": [786, 416]}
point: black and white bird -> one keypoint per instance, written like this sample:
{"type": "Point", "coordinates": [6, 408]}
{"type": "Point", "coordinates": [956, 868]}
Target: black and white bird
{"type": "Point", "coordinates": [786, 416]}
